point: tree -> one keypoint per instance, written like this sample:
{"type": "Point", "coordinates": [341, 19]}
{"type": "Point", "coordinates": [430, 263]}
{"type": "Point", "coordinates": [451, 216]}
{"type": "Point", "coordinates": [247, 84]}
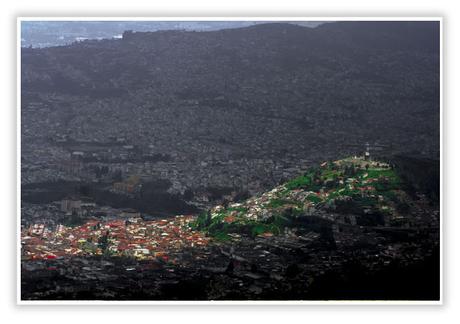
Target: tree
{"type": "Point", "coordinates": [75, 219]}
{"type": "Point", "coordinates": [103, 241]}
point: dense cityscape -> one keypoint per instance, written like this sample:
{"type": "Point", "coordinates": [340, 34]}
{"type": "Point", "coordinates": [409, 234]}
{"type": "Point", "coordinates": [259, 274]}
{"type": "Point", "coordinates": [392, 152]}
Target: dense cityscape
{"type": "Point", "coordinates": [266, 162]}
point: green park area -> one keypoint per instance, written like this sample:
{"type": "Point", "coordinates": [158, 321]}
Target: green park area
{"type": "Point", "coordinates": [350, 185]}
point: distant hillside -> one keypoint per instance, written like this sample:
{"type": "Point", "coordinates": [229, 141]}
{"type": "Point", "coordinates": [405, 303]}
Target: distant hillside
{"type": "Point", "coordinates": [58, 33]}
{"type": "Point", "coordinates": [339, 83]}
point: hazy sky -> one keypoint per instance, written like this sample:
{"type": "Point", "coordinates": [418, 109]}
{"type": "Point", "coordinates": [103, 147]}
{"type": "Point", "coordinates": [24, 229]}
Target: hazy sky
{"type": "Point", "coordinates": [52, 33]}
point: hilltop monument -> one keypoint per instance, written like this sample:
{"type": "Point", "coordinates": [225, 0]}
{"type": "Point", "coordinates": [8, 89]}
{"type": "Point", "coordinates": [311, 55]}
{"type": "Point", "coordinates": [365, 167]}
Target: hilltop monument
{"type": "Point", "coordinates": [367, 154]}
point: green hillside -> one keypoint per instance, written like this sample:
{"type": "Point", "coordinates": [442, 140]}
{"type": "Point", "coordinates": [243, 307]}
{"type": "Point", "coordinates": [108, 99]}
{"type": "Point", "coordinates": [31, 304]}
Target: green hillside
{"type": "Point", "coordinates": [369, 190]}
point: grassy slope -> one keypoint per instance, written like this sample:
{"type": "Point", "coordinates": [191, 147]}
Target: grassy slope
{"type": "Point", "coordinates": [344, 186]}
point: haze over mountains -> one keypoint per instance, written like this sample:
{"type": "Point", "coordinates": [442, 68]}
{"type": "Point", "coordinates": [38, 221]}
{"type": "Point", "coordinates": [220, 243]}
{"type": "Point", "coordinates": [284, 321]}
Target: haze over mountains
{"type": "Point", "coordinates": [239, 107]}
{"type": "Point", "coordinates": [56, 33]}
